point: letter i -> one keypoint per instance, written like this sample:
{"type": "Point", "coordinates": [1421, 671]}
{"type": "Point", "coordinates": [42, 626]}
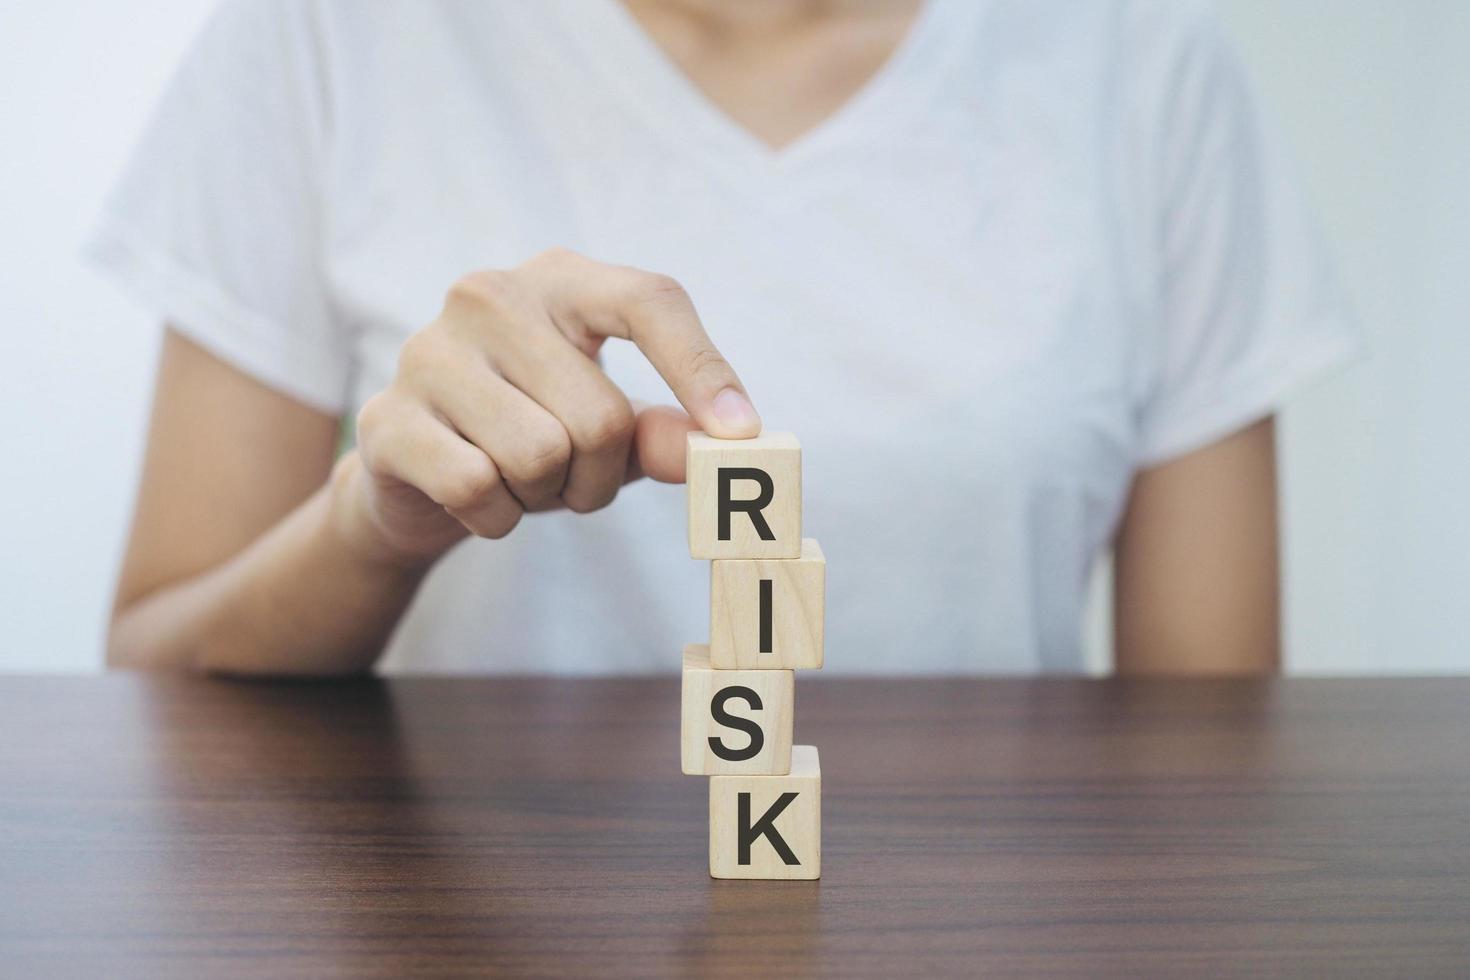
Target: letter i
{"type": "Point", "coordinates": [765, 616]}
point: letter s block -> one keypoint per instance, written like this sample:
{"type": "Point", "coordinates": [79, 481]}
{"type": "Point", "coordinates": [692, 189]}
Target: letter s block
{"type": "Point", "coordinates": [768, 826]}
{"type": "Point", "coordinates": [744, 496]}
{"type": "Point", "coordinates": [735, 720]}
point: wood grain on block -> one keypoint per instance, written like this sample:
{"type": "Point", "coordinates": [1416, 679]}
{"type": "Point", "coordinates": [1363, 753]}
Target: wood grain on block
{"type": "Point", "coordinates": [767, 613]}
{"type": "Point", "coordinates": [735, 721]}
{"type": "Point", "coordinates": [768, 826]}
{"type": "Point", "coordinates": [744, 496]}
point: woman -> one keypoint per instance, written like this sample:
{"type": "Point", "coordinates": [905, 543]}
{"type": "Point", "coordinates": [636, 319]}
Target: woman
{"type": "Point", "coordinates": [1026, 278]}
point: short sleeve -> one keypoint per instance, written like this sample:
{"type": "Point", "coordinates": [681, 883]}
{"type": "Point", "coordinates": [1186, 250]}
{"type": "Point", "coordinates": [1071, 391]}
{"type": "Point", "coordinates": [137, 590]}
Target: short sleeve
{"type": "Point", "coordinates": [217, 221]}
{"type": "Point", "coordinates": [1247, 309]}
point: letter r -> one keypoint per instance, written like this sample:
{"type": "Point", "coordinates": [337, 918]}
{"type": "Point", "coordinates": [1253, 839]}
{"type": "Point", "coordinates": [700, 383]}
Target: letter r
{"type": "Point", "coordinates": [753, 506]}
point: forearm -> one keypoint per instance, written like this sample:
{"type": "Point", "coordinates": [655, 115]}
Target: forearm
{"type": "Point", "coordinates": [1251, 649]}
{"type": "Point", "coordinates": [300, 600]}
{"type": "Point", "coordinates": [1196, 580]}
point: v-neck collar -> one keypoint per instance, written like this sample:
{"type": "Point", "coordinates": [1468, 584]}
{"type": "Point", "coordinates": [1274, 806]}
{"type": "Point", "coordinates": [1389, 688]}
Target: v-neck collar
{"type": "Point", "coordinates": [655, 87]}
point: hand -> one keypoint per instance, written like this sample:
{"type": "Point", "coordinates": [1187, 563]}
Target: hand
{"type": "Point", "coordinates": [499, 407]}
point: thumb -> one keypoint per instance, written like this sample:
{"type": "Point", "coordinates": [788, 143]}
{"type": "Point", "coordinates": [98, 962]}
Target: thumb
{"type": "Point", "coordinates": [659, 442]}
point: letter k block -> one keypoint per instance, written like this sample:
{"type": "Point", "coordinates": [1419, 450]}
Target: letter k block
{"type": "Point", "coordinates": [768, 826]}
{"type": "Point", "coordinates": [744, 496]}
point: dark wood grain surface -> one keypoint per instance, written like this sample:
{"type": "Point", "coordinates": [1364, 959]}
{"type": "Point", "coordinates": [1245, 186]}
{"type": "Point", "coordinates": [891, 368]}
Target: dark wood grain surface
{"type": "Point", "coordinates": [172, 827]}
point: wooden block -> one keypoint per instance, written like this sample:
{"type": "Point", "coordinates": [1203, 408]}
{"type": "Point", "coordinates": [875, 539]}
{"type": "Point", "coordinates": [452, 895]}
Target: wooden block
{"type": "Point", "coordinates": [735, 721]}
{"type": "Point", "coordinates": [766, 614]}
{"type": "Point", "coordinates": [768, 826]}
{"type": "Point", "coordinates": [744, 496]}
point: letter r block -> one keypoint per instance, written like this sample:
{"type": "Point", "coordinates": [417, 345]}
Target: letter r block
{"type": "Point", "coordinates": [744, 496]}
{"type": "Point", "coordinates": [768, 826]}
{"type": "Point", "coordinates": [735, 721]}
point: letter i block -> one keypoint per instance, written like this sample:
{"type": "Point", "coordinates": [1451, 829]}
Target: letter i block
{"type": "Point", "coordinates": [767, 614]}
{"type": "Point", "coordinates": [735, 720]}
{"type": "Point", "coordinates": [744, 496]}
{"type": "Point", "coordinates": [768, 826]}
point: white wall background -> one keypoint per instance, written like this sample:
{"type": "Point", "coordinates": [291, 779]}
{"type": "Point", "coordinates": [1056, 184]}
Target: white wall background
{"type": "Point", "coordinates": [1374, 96]}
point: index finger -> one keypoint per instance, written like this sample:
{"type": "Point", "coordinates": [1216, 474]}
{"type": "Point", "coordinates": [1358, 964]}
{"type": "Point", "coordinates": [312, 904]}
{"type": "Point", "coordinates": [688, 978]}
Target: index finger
{"type": "Point", "coordinates": [589, 301]}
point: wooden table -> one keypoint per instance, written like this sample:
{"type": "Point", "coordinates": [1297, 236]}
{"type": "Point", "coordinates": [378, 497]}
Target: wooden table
{"type": "Point", "coordinates": [173, 827]}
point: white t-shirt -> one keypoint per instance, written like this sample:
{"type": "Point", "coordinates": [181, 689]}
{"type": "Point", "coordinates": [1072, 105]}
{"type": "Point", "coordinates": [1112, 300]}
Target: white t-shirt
{"type": "Point", "coordinates": [1047, 244]}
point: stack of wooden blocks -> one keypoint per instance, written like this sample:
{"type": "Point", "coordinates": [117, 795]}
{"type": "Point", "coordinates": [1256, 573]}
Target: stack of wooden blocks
{"type": "Point", "coordinates": [767, 592]}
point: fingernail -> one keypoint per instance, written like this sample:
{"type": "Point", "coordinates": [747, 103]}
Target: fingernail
{"type": "Point", "coordinates": [736, 412]}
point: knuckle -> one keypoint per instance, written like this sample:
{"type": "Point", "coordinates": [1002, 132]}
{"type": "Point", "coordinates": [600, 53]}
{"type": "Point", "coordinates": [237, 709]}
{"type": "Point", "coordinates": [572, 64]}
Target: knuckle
{"type": "Point", "coordinates": [608, 425]}
{"type": "Point", "coordinates": [658, 289]}
{"type": "Point", "coordinates": [370, 418]}
{"type": "Point", "coordinates": [704, 363]}
{"type": "Point", "coordinates": [469, 485]}
{"type": "Point", "coordinates": [485, 291]}
{"type": "Point", "coordinates": [545, 454]}
{"type": "Point", "coordinates": [557, 255]}
{"type": "Point", "coordinates": [587, 501]}
{"type": "Point", "coordinates": [500, 525]}
{"type": "Point", "coordinates": [374, 427]}
{"type": "Point", "coordinates": [421, 354]}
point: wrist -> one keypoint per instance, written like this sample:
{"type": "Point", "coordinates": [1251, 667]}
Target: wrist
{"type": "Point", "coordinates": [351, 522]}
